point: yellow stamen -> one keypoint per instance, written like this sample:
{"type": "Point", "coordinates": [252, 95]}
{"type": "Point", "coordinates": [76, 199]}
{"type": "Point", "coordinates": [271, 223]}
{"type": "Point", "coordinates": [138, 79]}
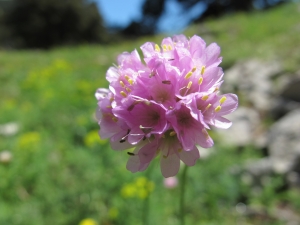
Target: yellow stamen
{"type": "Point", "coordinates": [216, 89]}
{"type": "Point", "coordinates": [189, 85]}
{"type": "Point", "coordinates": [123, 94]}
{"type": "Point", "coordinates": [128, 89]}
{"type": "Point", "coordinates": [130, 81]}
{"type": "Point", "coordinates": [188, 75]}
{"type": "Point", "coordinates": [200, 80]}
{"type": "Point", "coordinates": [170, 47]}
{"type": "Point", "coordinates": [172, 133]}
{"type": "Point", "coordinates": [157, 48]}
{"type": "Point", "coordinates": [109, 106]}
{"type": "Point", "coordinates": [165, 47]}
{"type": "Point", "coordinates": [222, 100]}
{"type": "Point", "coordinates": [202, 70]}
{"type": "Point", "coordinates": [111, 99]}
{"type": "Point", "coordinates": [194, 69]}
{"type": "Point", "coordinates": [115, 119]}
{"type": "Point", "coordinates": [208, 106]}
{"type": "Point", "coordinates": [205, 97]}
{"type": "Point", "coordinates": [122, 84]}
{"type": "Point", "coordinates": [218, 108]}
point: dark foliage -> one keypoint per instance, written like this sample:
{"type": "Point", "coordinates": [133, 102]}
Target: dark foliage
{"type": "Point", "coordinates": [47, 23]}
{"type": "Point", "coordinates": [152, 10]}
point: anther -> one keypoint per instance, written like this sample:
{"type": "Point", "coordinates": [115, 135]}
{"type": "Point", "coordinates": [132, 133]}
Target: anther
{"type": "Point", "coordinates": [115, 119]}
{"type": "Point", "coordinates": [208, 106]}
{"type": "Point", "coordinates": [189, 85]}
{"type": "Point", "coordinates": [200, 80]}
{"type": "Point", "coordinates": [130, 153]}
{"type": "Point", "coordinates": [147, 102]}
{"type": "Point", "coordinates": [130, 81]}
{"type": "Point", "coordinates": [166, 82]}
{"type": "Point", "coordinates": [172, 133]}
{"type": "Point", "coordinates": [165, 47]}
{"type": "Point", "coordinates": [165, 156]}
{"type": "Point", "coordinates": [202, 70]}
{"type": "Point", "coordinates": [222, 100]}
{"type": "Point", "coordinates": [151, 74]}
{"type": "Point", "coordinates": [194, 69]}
{"type": "Point", "coordinates": [157, 48]}
{"type": "Point", "coordinates": [123, 94]}
{"type": "Point", "coordinates": [128, 89]}
{"type": "Point", "coordinates": [109, 106]}
{"type": "Point", "coordinates": [188, 75]}
{"type": "Point", "coordinates": [218, 108]}
{"type": "Point", "coordinates": [130, 107]}
{"type": "Point", "coordinates": [204, 97]}
{"type": "Point", "coordinates": [169, 47]}
{"type": "Point", "coordinates": [122, 84]}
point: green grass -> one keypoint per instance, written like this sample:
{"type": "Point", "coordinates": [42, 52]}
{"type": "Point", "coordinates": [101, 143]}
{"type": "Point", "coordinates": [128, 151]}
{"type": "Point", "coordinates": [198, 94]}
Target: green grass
{"type": "Point", "coordinates": [270, 35]}
{"type": "Point", "coordinates": [62, 173]}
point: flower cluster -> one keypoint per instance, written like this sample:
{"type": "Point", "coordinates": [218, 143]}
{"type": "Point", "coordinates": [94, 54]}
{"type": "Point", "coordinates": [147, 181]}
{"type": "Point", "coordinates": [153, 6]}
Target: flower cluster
{"type": "Point", "coordinates": [165, 106]}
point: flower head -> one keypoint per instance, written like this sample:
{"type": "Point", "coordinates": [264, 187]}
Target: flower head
{"type": "Point", "coordinates": [165, 106]}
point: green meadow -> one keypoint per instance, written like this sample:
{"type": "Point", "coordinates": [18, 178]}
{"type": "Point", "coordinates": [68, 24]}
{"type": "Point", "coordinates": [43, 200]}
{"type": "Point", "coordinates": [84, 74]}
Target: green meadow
{"type": "Point", "coordinates": [62, 173]}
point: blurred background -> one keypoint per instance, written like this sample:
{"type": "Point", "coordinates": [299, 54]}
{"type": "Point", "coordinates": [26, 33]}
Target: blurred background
{"type": "Point", "coordinates": [54, 168]}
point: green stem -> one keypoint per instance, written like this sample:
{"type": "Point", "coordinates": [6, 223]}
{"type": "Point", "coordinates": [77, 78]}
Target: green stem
{"type": "Point", "coordinates": [146, 201]}
{"type": "Point", "coordinates": [145, 211]}
{"type": "Point", "coordinates": [182, 194]}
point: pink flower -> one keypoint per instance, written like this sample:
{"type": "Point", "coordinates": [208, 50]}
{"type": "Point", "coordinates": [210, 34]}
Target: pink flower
{"type": "Point", "coordinates": [171, 182]}
{"type": "Point", "coordinates": [165, 106]}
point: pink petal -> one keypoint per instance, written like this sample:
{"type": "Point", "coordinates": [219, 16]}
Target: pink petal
{"type": "Point", "coordinates": [229, 105]}
{"type": "Point", "coordinates": [148, 49]}
{"type": "Point", "coordinates": [190, 157]}
{"type": "Point", "coordinates": [197, 46]}
{"type": "Point", "coordinates": [221, 122]}
{"type": "Point", "coordinates": [204, 140]}
{"type": "Point", "coordinates": [212, 54]}
{"type": "Point", "coordinates": [147, 152]}
{"type": "Point", "coordinates": [118, 146]}
{"type": "Point", "coordinates": [101, 93]}
{"type": "Point", "coordinates": [133, 163]}
{"type": "Point", "coordinates": [170, 165]}
{"type": "Point", "coordinates": [135, 135]}
{"type": "Point", "coordinates": [112, 74]}
{"type": "Point", "coordinates": [211, 77]}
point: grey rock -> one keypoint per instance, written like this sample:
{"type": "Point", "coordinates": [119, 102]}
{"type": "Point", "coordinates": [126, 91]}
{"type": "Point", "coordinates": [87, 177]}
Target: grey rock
{"type": "Point", "coordinates": [284, 142]}
{"type": "Point", "coordinates": [291, 90]}
{"type": "Point", "coordinates": [242, 133]}
{"type": "Point", "coordinates": [252, 79]}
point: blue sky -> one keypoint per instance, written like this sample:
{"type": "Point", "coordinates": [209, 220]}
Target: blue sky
{"type": "Point", "coordinates": [121, 12]}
